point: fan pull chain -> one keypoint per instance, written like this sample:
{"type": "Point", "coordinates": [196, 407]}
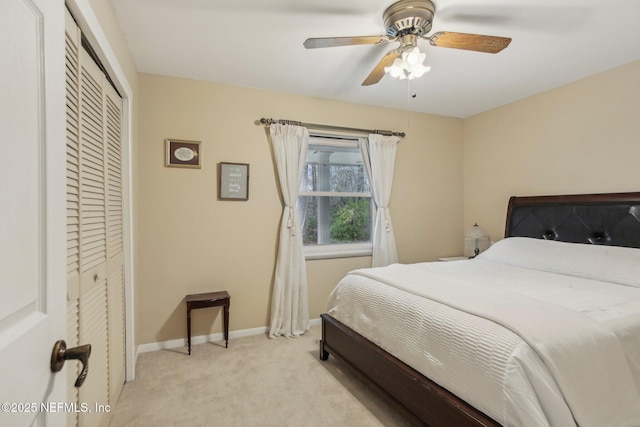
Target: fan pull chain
{"type": "Point", "coordinates": [411, 96]}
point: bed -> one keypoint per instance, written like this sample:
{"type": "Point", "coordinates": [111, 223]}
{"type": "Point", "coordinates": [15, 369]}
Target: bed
{"type": "Point", "coordinates": [460, 346]}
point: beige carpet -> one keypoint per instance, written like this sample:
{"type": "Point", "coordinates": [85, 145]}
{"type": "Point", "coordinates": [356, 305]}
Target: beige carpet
{"type": "Point", "coordinates": [255, 382]}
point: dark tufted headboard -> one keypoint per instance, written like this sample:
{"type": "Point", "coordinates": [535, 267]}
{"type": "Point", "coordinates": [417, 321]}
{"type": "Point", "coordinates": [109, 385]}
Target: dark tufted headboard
{"type": "Point", "coordinates": [603, 219]}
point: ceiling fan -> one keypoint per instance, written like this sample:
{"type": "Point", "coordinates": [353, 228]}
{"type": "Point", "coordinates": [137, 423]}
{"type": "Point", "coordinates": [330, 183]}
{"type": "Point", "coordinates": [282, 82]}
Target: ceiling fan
{"type": "Point", "coordinates": [406, 21]}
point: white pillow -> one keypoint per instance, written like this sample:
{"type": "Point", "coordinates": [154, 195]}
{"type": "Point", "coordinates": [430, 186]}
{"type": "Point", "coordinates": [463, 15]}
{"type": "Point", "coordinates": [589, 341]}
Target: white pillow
{"type": "Point", "coordinates": [606, 263]}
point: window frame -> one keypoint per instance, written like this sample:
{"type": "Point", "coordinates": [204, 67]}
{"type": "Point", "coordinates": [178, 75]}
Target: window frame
{"type": "Point", "coordinates": [340, 250]}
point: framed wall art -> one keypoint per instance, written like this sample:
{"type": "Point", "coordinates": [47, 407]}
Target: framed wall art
{"type": "Point", "coordinates": [183, 154]}
{"type": "Point", "coordinates": [233, 181]}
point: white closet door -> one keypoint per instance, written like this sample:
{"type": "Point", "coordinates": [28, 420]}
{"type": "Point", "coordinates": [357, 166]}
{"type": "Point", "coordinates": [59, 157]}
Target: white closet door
{"type": "Point", "coordinates": [93, 221]}
{"type": "Point", "coordinates": [115, 253]}
{"type": "Point", "coordinates": [93, 240]}
{"type": "Point", "coordinates": [72, 44]}
{"type": "Point", "coordinates": [95, 257]}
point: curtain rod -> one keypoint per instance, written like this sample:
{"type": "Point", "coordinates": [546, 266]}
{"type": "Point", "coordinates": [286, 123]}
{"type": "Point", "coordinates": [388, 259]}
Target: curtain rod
{"type": "Point", "coordinates": [329, 127]}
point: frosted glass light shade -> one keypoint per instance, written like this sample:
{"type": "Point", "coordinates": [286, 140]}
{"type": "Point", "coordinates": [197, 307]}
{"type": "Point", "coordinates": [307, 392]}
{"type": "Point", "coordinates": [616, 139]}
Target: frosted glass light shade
{"type": "Point", "coordinates": [412, 56]}
{"type": "Point", "coordinates": [396, 70]}
{"type": "Point", "coordinates": [408, 66]}
{"type": "Point", "coordinates": [476, 240]}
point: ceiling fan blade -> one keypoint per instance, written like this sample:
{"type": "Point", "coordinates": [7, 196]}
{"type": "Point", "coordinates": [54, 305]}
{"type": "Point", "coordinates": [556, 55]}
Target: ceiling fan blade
{"type": "Point", "coordinates": [474, 42]}
{"type": "Point", "coordinates": [315, 43]}
{"type": "Point", "coordinates": [376, 75]}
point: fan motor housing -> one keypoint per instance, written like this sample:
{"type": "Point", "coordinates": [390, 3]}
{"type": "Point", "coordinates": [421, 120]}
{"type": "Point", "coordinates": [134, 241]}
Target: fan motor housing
{"type": "Point", "coordinates": [409, 17]}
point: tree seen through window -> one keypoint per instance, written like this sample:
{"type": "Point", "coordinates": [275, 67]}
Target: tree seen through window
{"type": "Point", "coordinates": [335, 203]}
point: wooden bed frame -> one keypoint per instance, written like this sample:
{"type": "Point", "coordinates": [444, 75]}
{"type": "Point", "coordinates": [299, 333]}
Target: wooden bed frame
{"type": "Point", "coordinates": [607, 219]}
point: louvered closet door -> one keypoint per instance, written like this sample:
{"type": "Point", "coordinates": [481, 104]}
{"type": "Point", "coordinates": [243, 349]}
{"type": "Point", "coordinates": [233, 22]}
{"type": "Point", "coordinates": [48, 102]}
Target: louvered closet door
{"type": "Point", "coordinates": [115, 250]}
{"type": "Point", "coordinates": [93, 239]}
{"type": "Point", "coordinates": [95, 255]}
{"type": "Point", "coordinates": [72, 44]}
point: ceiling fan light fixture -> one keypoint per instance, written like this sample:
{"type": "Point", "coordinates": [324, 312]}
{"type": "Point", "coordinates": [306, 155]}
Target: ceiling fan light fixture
{"type": "Point", "coordinates": [408, 66]}
{"type": "Point", "coordinates": [405, 21]}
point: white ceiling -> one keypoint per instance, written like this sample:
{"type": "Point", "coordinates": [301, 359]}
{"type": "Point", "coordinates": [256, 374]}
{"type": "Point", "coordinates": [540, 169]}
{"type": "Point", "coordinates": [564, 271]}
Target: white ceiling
{"type": "Point", "coordinates": [258, 44]}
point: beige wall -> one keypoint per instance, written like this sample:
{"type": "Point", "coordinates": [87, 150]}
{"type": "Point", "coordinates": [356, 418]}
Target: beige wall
{"type": "Point", "coordinates": [580, 138]}
{"type": "Point", "coordinates": [188, 242]}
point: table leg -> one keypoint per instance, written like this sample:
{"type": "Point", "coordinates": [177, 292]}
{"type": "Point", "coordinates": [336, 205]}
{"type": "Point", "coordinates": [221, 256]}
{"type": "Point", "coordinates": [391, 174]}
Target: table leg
{"type": "Point", "coordinates": [226, 324]}
{"type": "Point", "coordinates": [189, 328]}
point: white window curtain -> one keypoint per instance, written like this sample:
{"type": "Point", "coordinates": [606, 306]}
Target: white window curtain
{"type": "Point", "coordinates": [379, 155]}
{"type": "Point", "coordinates": [289, 303]}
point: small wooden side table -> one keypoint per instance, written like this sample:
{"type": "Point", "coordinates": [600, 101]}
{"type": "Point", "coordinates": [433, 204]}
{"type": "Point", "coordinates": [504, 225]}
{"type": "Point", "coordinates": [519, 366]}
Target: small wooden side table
{"type": "Point", "coordinates": [209, 299]}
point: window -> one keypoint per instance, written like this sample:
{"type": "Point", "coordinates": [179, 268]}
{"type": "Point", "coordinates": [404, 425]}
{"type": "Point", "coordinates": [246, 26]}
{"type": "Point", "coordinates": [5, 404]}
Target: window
{"type": "Point", "coordinates": [335, 202]}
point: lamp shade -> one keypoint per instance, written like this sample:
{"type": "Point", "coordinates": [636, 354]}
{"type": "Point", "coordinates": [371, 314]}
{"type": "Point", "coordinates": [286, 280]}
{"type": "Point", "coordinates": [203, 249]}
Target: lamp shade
{"type": "Point", "coordinates": [476, 240]}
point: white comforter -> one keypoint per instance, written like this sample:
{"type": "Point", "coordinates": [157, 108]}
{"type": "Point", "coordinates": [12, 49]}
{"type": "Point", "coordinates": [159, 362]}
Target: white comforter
{"type": "Point", "coordinates": [532, 333]}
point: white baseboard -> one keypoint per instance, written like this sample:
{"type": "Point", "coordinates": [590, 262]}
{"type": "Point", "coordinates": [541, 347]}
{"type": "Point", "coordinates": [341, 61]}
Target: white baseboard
{"type": "Point", "coordinates": [200, 339]}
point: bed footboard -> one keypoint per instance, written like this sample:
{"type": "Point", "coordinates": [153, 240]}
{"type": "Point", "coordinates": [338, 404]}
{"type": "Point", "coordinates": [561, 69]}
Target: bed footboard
{"type": "Point", "coordinates": [417, 396]}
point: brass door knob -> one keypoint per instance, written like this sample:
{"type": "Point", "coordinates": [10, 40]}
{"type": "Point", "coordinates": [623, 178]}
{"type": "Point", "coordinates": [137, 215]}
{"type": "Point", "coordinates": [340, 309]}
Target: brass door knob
{"type": "Point", "coordinates": [61, 353]}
